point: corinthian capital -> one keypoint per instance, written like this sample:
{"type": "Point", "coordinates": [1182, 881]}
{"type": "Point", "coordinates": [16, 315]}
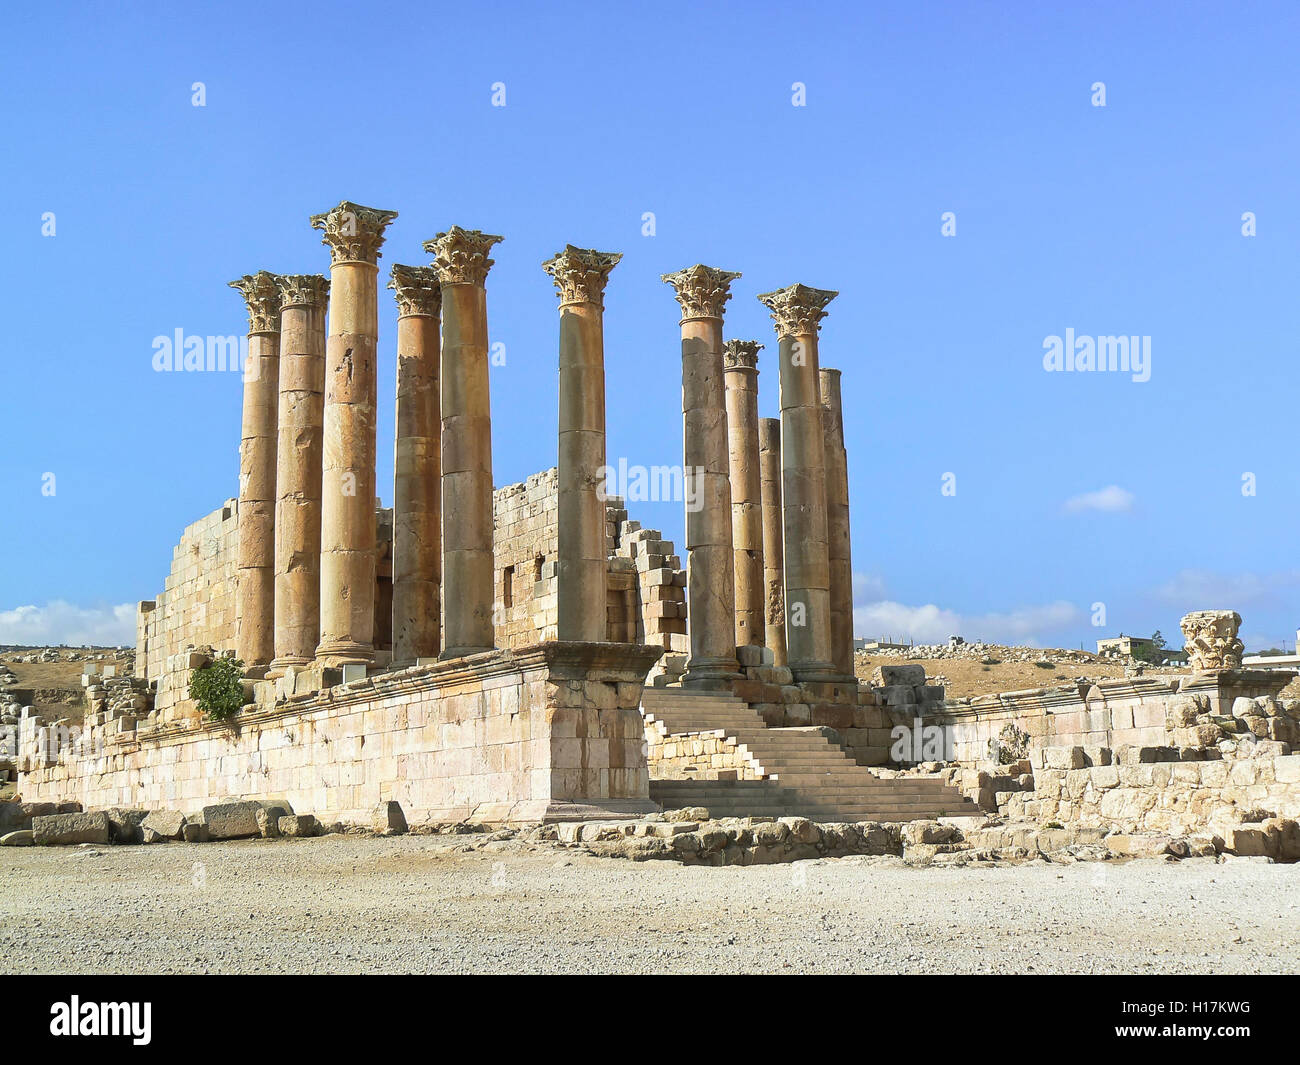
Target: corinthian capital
{"type": "Point", "coordinates": [741, 354]}
{"type": "Point", "coordinates": [797, 310]}
{"type": "Point", "coordinates": [303, 290]}
{"type": "Point", "coordinates": [417, 289]}
{"type": "Point", "coordinates": [262, 295]}
{"type": "Point", "coordinates": [580, 274]}
{"type": "Point", "coordinates": [354, 233]}
{"type": "Point", "coordinates": [1212, 642]}
{"type": "Point", "coordinates": [702, 291]}
{"type": "Point", "coordinates": [460, 256]}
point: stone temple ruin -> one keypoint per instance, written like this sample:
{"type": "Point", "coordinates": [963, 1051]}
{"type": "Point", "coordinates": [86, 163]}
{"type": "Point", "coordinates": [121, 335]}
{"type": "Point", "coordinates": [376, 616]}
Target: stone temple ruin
{"type": "Point", "coordinates": [524, 655]}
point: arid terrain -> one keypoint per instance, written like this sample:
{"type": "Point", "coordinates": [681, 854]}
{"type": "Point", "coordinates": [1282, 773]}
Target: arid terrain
{"type": "Point", "coordinates": [354, 904]}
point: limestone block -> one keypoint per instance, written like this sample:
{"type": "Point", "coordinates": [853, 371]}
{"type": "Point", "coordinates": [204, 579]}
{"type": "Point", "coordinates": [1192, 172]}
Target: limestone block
{"type": "Point", "coordinates": [387, 819]}
{"type": "Point", "coordinates": [885, 676]}
{"type": "Point", "coordinates": [68, 829]}
{"type": "Point", "coordinates": [233, 820]}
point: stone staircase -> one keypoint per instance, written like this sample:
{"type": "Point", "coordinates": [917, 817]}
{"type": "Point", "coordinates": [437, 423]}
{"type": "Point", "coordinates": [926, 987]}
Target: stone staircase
{"type": "Point", "coordinates": [801, 772]}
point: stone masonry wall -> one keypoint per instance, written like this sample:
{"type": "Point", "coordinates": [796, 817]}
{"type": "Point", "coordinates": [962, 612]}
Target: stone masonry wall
{"type": "Point", "coordinates": [550, 732]}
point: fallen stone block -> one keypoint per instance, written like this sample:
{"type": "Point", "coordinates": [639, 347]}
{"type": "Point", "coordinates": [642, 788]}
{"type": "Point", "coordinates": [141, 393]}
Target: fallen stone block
{"type": "Point", "coordinates": [232, 820]}
{"type": "Point", "coordinates": [297, 826]}
{"type": "Point", "coordinates": [63, 830]}
{"type": "Point", "coordinates": [388, 819]}
{"type": "Point", "coordinates": [21, 838]}
{"type": "Point", "coordinates": [124, 825]}
{"type": "Point", "coordinates": [268, 822]}
{"type": "Point", "coordinates": [167, 823]}
{"type": "Point", "coordinates": [1126, 846]}
{"type": "Point", "coordinates": [195, 832]}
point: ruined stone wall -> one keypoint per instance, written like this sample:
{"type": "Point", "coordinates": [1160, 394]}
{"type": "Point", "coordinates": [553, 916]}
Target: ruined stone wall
{"type": "Point", "coordinates": [509, 737]}
{"type": "Point", "coordinates": [646, 601]}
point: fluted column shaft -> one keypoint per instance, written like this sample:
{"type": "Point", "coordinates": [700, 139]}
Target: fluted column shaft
{"type": "Point", "coordinates": [580, 276]}
{"type": "Point", "coordinates": [462, 263]}
{"type": "Point", "coordinates": [741, 367]}
{"type": "Point", "coordinates": [255, 584]}
{"type": "Point", "coordinates": [348, 547]}
{"type": "Point", "coordinates": [702, 292]}
{"type": "Point", "coordinates": [417, 468]}
{"type": "Point", "coordinates": [797, 311]}
{"type": "Point", "coordinates": [838, 549]}
{"type": "Point", "coordinates": [769, 458]}
{"type": "Point", "coordinates": [298, 478]}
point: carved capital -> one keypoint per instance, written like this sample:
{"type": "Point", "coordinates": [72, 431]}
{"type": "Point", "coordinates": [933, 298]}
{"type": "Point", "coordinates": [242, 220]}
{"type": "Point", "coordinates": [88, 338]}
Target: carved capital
{"type": "Point", "coordinates": [262, 296]}
{"type": "Point", "coordinates": [417, 290]}
{"type": "Point", "coordinates": [741, 355]}
{"type": "Point", "coordinates": [460, 256]}
{"type": "Point", "coordinates": [1212, 642]}
{"type": "Point", "coordinates": [354, 233]}
{"type": "Point", "coordinates": [303, 290]}
{"type": "Point", "coordinates": [580, 274]}
{"type": "Point", "coordinates": [702, 291]}
{"type": "Point", "coordinates": [797, 310]}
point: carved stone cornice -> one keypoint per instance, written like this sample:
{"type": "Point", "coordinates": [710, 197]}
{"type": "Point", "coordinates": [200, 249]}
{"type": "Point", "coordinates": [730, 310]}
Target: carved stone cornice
{"type": "Point", "coordinates": [702, 291]}
{"type": "Point", "coordinates": [741, 355]}
{"type": "Point", "coordinates": [417, 290]}
{"type": "Point", "coordinates": [303, 290]}
{"type": "Point", "coordinates": [580, 274]}
{"type": "Point", "coordinates": [1212, 642]}
{"type": "Point", "coordinates": [460, 256]}
{"type": "Point", "coordinates": [262, 296]}
{"type": "Point", "coordinates": [797, 310]}
{"type": "Point", "coordinates": [354, 233]}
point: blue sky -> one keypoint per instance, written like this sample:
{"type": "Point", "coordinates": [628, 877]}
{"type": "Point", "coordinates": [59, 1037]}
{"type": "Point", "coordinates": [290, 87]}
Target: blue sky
{"type": "Point", "coordinates": [1123, 219]}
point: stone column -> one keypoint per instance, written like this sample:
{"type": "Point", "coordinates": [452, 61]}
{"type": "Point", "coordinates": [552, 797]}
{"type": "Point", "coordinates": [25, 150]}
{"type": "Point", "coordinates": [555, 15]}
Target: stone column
{"type": "Point", "coordinates": [797, 310]}
{"type": "Point", "coordinates": [740, 359]}
{"type": "Point", "coordinates": [702, 292]}
{"type": "Point", "coordinates": [347, 571]}
{"type": "Point", "coordinates": [255, 586]}
{"type": "Point", "coordinates": [838, 550]}
{"type": "Point", "coordinates": [462, 264]}
{"type": "Point", "coordinates": [417, 470]}
{"type": "Point", "coordinates": [580, 276]}
{"type": "Point", "coordinates": [303, 299]}
{"type": "Point", "coordinates": [769, 460]}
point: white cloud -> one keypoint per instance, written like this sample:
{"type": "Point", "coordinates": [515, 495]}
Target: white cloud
{"type": "Point", "coordinates": [1027, 626]}
{"type": "Point", "coordinates": [59, 622]}
{"type": "Point", "coordinates": [1198, 589]}
{"type": "Point", "coordinates": [1111, 500]}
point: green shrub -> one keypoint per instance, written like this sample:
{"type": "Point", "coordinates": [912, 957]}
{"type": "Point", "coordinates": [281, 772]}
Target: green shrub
{"type": "Point", "coordinates": [218, 688]}
{"type": "Point", "coordinates": [1043, 664]}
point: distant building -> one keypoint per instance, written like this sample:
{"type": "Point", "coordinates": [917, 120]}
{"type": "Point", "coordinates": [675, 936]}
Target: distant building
{"type": "Point", "coordinates": [1139, 647]}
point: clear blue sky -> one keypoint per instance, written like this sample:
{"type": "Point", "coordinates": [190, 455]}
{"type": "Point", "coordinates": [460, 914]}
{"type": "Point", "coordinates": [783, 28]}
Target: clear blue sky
{"type": "Point", "coordinates": [1123, 219]}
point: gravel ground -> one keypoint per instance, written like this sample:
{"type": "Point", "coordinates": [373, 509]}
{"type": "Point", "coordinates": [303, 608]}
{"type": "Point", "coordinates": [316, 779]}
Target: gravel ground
{"type": "Point", "coordinates": [430, 904]}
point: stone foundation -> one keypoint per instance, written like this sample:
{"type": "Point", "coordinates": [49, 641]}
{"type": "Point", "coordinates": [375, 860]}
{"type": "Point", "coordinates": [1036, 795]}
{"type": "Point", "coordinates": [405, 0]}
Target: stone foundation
{"type": "Point", "coordinates": [549, 732]}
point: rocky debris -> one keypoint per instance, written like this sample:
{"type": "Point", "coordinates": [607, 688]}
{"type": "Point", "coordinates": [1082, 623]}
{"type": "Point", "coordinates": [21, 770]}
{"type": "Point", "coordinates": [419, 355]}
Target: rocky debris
{"type": "Point", "coordinates": [299, 825]}
{"type": "Point", "coordinates": [21, 838]}
{"type": "Point", "coordinates": [166, 824]}
{"type": "Point", "coordinates": [68, 829]}
{"type": "Point", "coordinates": [388, 819]}
{"type": "Point", "coordinates": [124, 825]}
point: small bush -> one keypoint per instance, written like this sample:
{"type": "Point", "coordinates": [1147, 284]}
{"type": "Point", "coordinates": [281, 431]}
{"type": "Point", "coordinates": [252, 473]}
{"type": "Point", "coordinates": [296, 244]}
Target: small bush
{"type": "Point", "coordinates": [1011, 745]}
{"type": "Point", "coordinates": [217, 688]}
{"type": "Point", "coordinates": [1044, 664]}
{"type": "Point", "coordinates": [1053, 824]}
{"type": "Point", "coordinates": [990, 661]}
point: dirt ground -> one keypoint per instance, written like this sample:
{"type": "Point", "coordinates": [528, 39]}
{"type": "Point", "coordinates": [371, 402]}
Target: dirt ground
{"type": "Point", "coordinates": [353, 904]}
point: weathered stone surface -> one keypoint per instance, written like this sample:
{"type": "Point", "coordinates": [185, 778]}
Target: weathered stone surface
{"type": "Point", "coordinates": [68, 829]}
{"type": "Point", "coordinates": [21, 838]}
{"type": "Point", "coordinates": [268, 822]}
{"type": "Point", "coordinates": [1212, 639]}
{"type": "Point", "coordinates": [124, 825]}
{"type": "Point", "coordinates": [388, 819]}
{"type": "Point", "coordinates": [195, 832]}
{"type": "Point", "coordinates": [232, 820]}
{"type": "Point", "coordinates": [167, 823]}
{"type": "Point", "coordinates": [885, 676]}
{"type": "Point", "coordinates": [299, 825]}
